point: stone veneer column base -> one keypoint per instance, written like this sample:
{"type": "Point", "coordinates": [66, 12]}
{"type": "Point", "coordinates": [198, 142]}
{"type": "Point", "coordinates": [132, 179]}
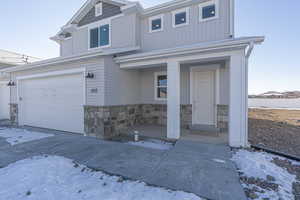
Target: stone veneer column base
{"type": "Point", "coordinates": [222, 117]}
{"type": "Point", "coordinates": [14, 112]}
{"type": "Point", "coordinates": [109, 121]}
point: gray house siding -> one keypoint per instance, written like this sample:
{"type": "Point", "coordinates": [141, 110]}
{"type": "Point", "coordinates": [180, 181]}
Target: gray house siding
{"type": "Point", "coordinates": [123, 34]}
{"type": "Point", "coordinates": [147, 85]}
{"type": "Point", "coordinates": [95, 66]}
{"type": "Point", "coordinates": [121, 86]}
{"type": "Point", "coordinates": [195, 32]}
{"type": "Point", "coordinates": [109, 10]}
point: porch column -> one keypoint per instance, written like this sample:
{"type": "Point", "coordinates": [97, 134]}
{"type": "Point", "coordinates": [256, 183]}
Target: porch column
{"type": "Point", "coordinates": [238, 119]}
{"type": "Point", "coordinates": [173, 123]}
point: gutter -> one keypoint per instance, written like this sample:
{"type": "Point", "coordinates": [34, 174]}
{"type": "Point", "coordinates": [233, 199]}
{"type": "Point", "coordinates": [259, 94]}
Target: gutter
{"type": "Point", "coordinates": [248, 54]}
{"type": "Point", "coordinates": [198, 48]}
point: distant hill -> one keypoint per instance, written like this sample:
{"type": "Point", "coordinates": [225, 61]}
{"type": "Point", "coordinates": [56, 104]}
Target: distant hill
{"type": "Point", "coordinates": [278, 95]}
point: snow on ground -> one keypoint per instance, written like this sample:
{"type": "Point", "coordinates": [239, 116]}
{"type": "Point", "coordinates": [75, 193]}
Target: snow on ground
{"type": "Point", "coordinates": [153, 144]}
{"type": "Point", "coordinates": [17, 136]}
{"type": "Point", "coordinates": [259, 165]}
{"type": "Point", "coordinates": [53, 177]}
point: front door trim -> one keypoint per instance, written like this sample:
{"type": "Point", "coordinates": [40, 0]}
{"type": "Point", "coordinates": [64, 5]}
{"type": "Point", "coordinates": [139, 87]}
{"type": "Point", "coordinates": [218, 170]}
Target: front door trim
{"type": "Point", "coordinates": [215, 69]}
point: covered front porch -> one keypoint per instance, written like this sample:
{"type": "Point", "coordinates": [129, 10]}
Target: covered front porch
{"type": "Point", "coordinates": [197, 92]}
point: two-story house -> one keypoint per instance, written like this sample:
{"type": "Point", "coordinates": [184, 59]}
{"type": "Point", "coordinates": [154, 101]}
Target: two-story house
{"type": "Point", "coordinates": [173, 67]}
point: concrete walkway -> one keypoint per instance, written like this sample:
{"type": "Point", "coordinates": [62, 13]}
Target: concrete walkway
{"type": "Point", "coordinates": [189, 166]}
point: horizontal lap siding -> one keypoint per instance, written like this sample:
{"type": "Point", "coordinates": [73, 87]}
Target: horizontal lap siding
{"type": "Point", "coordinates": [95, 66]}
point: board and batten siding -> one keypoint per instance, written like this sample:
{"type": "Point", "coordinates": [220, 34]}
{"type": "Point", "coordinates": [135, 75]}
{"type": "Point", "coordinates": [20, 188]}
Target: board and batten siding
{"type": "Point", "coordinates": [147, 85]}
{"type": "Point", "coordinates": [95, 66]}
{"type": "Point", "coordinates": [195, 32]}
{"type": "Point", "coordinates": [124, 34]}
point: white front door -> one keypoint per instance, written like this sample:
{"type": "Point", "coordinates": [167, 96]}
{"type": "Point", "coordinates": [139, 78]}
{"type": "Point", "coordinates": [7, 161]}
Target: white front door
{"type": "Point", "coordinates": [53, 102]}
{"type": "Point", "coordinates": [4, 101]}
{"type": "Point", "coordinates": [203, 97]}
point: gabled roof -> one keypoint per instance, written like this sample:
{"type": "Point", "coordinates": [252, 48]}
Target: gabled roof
{"type": "Point", "coordinates": [89, 5]}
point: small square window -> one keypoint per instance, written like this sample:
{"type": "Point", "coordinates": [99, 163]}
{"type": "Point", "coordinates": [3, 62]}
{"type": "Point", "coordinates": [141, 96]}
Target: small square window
{"type": "Point", "coordinates": [208, 11]}
{"type": "Point", "coordinates": [156, 24]}
{"type": "Point", "coordinates": [181, 17]}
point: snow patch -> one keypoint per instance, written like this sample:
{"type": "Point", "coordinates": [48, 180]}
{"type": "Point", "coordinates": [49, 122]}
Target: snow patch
{"type": "Point", "coordinates": [259, 165]}
{"type": "Point", "coordinates": [56, 177]}
{"type": "Point", "coordinates": [16, 136]}
{"type": "Point", "coordinates": [219, 161]}
{"type": "Point", "coordinates": [153, 144]}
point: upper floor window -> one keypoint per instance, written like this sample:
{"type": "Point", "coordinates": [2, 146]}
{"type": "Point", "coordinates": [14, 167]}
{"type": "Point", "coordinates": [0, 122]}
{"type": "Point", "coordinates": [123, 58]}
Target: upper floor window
{"type": "Point", "coordinates": [161, 85]}
{"type": "Point", "coordinates": [156, 23]}
{"type": "Point", "coordinates": [98, 9]}
{"type": "Point", "coordinates": [208, 10]}
{"type": "Point", "coordinates": [180, 17]}
{"type": "Point", "coordinates": [100, 36]}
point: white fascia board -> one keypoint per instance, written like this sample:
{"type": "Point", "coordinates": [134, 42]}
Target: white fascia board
{"type": "Point", "coordinates": [201, 47]}
{"type": "Point", "coordinates": [76, 57]}
{"type": "Point", "coordinates": [55, 73]}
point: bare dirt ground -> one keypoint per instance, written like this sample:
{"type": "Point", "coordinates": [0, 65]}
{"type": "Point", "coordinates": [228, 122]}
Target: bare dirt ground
{"type": "Point", "coordinates": [275, 129]}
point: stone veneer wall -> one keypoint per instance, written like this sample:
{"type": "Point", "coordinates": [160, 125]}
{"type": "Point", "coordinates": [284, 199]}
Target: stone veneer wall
{"type": "Point", "coordinates": [222, 117]}
{"type": "Point", "coordinates": [108, 121]}
{"type": "Point", "coordinates": [14, 113]}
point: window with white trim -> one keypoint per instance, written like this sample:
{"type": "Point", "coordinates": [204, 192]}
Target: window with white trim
{"type": "Point", "coordinates": [98, 9]}
{"type": "Point", "coordinates": [156, 23]}
{"type": "Point", "coordinates": [161, 86]}
{"type": "Point", "coordinates": [180, 17]}
{"type": "Point", "coordinates": [209, 10]}
{"type": "Point", "coordinates": [99, 36]}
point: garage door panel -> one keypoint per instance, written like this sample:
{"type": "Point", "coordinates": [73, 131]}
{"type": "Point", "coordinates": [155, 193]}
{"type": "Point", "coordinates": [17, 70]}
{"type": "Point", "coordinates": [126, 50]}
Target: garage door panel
{"type": "Point", "coordinates": [4, 101]}
{"type": "Point", "coordinates": [54, 102]}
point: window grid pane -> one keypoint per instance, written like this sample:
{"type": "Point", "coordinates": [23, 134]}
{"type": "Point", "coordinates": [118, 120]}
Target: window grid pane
{"type": "Point", "coordinates": [94, 38]}
{"type": "Point", "coordinates": [162, 80]}
{"type": "Point", "coordinates": [162, 93]}
{"type": "Point", "coordinates": [104, 35]}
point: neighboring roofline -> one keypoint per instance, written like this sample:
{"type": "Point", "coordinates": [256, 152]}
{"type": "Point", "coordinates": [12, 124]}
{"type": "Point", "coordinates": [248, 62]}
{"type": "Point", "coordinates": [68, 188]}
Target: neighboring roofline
{"type": "Point", "coordinates": [60, 60]}
{"type": "Point", "coordinates": [18, 54]}
{"type": "Point", "coordinates": [200, 47]}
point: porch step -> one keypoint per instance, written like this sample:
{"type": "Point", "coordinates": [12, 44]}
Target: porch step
{"type": "Point", "coordinates": [204, 128]}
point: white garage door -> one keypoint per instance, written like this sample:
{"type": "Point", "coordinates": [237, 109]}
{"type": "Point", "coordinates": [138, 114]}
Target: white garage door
{"type": "Point", "coordinates": [4, 101]}
{"type": "Point", "coordinates": [53, 102]}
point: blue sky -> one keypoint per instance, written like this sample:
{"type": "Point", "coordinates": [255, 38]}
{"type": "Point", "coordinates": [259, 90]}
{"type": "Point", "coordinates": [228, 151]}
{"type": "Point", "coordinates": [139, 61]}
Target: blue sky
{"type": "Point", "coordinates": [273, 66]}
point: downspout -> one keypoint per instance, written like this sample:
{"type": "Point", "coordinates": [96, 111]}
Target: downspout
{"type": "Point", "coordinates": [232, 11]}
{"type": "Point", "coordinates": [248, 54]}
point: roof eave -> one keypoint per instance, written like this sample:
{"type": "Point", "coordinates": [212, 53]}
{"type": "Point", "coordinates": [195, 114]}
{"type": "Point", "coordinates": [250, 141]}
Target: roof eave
{"type": "Point", "coordinates": [216, 45]}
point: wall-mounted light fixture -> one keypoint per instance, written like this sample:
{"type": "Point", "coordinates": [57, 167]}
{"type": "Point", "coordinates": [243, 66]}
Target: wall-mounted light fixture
{"type": "Point", "coordinates": [90, 75]}
{"type": "Point", "coordinates": [11, 83]}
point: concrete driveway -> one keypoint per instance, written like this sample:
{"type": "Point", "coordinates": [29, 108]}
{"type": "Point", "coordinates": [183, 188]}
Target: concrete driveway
{"type": "Point", "coordinates": [199, 168]}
